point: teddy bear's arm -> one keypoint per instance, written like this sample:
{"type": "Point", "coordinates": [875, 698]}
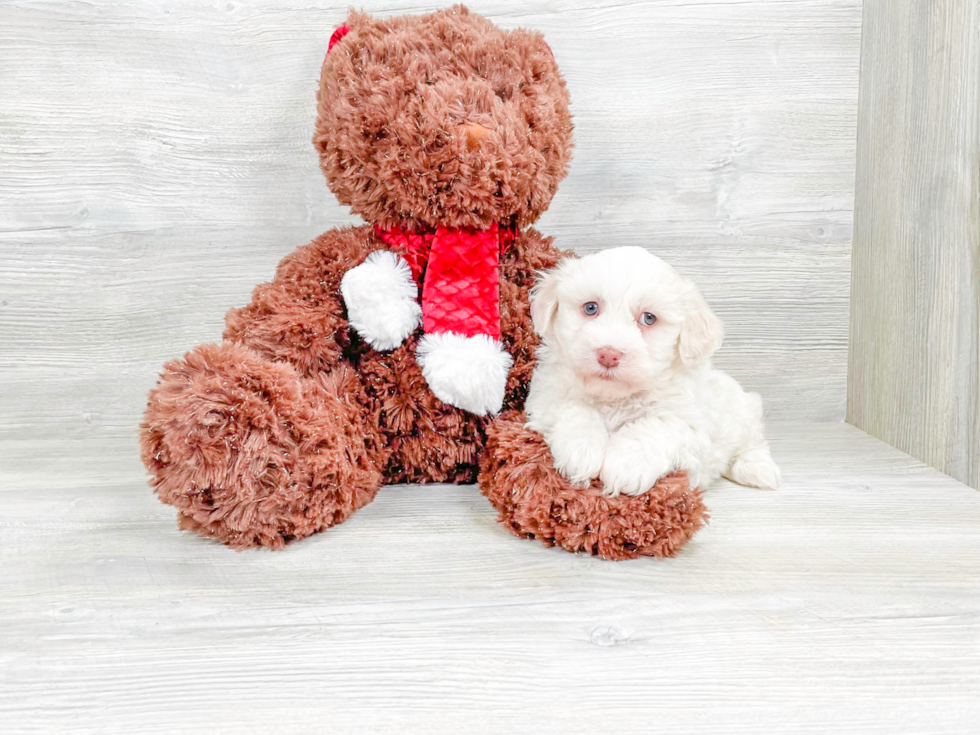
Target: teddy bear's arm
{"type": "Point", "coordinates": [299, 316]}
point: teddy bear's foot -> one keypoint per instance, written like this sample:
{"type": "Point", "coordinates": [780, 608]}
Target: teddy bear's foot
{"type": "Point", "coordinates": [518, 476]}
{"type": "Point", "coordinates": [466, 372]}
{"type": "Point", "coordinates": [251, 453]}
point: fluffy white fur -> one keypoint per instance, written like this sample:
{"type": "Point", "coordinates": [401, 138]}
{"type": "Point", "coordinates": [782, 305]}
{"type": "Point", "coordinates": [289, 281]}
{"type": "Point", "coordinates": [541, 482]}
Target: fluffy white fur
{"type": "Point", "coordinates": [466, 372]}
{"type": "Point", "coordinates": [663, 407]}
{"type": "Point", "coordinates": [382, 300]}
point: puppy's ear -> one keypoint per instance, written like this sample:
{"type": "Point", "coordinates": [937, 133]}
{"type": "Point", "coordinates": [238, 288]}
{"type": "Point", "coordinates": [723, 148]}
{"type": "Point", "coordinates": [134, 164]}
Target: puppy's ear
{"type": "Point", "coordinates": [544, 302]}
{"type": "Point", "coordinates": [701, 332]}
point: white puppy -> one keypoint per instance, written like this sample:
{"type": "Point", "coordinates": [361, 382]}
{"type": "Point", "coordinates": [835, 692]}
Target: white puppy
{"type": "Point", "coordinates": [624, 389]}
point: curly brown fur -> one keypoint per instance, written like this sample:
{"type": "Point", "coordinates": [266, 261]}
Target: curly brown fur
{"type": "Point", "coordinates": [534, 501]}
{"type": "Point", "coordinates": [298, 317]}
{"type": "Point", "coordinates": [393, 96]}
{"type": "Point", "coordinates": [250, 453]}
{"type": "Point", "coordinates": [531, 254]}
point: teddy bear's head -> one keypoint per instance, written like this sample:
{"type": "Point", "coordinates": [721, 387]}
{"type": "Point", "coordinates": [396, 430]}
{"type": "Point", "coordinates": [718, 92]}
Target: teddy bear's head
{"type": "Point", "coordinates": [442, 119]}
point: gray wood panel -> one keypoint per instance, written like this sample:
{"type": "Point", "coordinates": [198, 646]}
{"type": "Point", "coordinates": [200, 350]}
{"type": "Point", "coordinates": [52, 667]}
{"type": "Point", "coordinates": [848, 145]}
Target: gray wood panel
{"type": "Point", "coordinates": [915, 327]}
{"type": "Point", "coordinates": [841, 603]}
{"type": "Point", "coordinates": [155, 164]}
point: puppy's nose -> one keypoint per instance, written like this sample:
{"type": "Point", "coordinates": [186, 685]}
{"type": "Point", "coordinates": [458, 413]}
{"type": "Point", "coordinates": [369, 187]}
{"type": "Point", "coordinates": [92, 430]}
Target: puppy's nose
{"type": "Point", "coordinates": [608, 356]}
{"type": "Point", "coordinates": [474, 135]}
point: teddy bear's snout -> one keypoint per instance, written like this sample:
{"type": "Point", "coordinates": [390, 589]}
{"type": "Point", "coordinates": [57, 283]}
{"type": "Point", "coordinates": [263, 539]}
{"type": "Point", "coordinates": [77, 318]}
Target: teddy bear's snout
{"type": "Point", "coordinates": [474, 134]}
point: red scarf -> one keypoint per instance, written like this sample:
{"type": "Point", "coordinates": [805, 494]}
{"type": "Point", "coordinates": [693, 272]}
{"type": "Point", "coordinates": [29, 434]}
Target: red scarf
{"type": "Point", "coordinates": [458, 271]}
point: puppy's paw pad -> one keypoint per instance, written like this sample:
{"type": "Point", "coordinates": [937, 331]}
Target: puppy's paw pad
{"type": "Point", "coordinates": [756, 469]}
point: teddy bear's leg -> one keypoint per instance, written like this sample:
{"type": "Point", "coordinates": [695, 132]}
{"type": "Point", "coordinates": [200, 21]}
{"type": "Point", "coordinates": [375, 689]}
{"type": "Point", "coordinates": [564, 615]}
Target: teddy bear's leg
{"type": "Point", "coordinates": [251, 453]}
{"type": "Point", "coordinates": [518, 476]}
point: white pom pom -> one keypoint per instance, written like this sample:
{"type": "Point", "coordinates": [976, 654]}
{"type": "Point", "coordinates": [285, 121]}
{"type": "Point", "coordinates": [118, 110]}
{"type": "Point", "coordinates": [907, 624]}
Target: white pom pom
{"type": "Point", "coordinates": [466, 372]}
{"type": "Point", "coordinates": [382, 300]}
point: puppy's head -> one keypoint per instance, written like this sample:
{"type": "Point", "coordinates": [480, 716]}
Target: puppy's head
{"type": "Point", "coordinates": [621, 318]}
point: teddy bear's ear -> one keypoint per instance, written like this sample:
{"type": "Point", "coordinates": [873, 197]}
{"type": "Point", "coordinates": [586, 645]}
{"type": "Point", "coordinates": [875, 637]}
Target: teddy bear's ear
{"type": "Point", "coordinates": [334, 40]}
{"type": "Point", "coordinates": [544, 302]}
{"type": "Point", "coordinates": [354, 19]}
{"type": "Point", "coordinates": [336, 36]}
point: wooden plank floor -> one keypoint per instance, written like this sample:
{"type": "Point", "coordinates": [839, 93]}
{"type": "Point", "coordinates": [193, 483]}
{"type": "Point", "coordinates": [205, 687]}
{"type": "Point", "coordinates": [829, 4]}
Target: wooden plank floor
{"type": "Point", "coordinates": [846, 602]}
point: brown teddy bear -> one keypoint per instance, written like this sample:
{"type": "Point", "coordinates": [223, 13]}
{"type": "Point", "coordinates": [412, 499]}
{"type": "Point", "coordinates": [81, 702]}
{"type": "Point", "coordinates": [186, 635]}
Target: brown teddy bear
{"type": "Point", "coordinates": [379, 354]}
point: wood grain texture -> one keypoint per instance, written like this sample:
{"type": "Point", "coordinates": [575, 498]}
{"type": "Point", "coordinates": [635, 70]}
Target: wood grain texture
{"type": "Point", "coordinates": [915, 326]}
{"type": "Point", "coordinates": [845, 602]}
{"type": "Point", "coordinates": [155, 164]}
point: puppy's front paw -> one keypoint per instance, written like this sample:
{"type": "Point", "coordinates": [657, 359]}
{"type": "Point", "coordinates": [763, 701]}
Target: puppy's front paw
{"type": "Point", "coordinates": [630, 467]}
{"type": "Point", "coordinates": [579, 459]}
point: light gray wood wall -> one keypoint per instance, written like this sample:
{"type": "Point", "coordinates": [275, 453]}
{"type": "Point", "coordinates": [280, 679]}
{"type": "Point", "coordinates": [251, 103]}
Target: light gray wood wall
{"type": "Point", "coordinates": [155, 164]}
{"type": "Point", "coordinates": [915, 326]}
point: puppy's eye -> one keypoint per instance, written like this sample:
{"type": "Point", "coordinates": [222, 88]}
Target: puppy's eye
{"type": "Point", "coordinates": [647, 319]}
{"type": "Point", "coordinates": [590, 308]}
